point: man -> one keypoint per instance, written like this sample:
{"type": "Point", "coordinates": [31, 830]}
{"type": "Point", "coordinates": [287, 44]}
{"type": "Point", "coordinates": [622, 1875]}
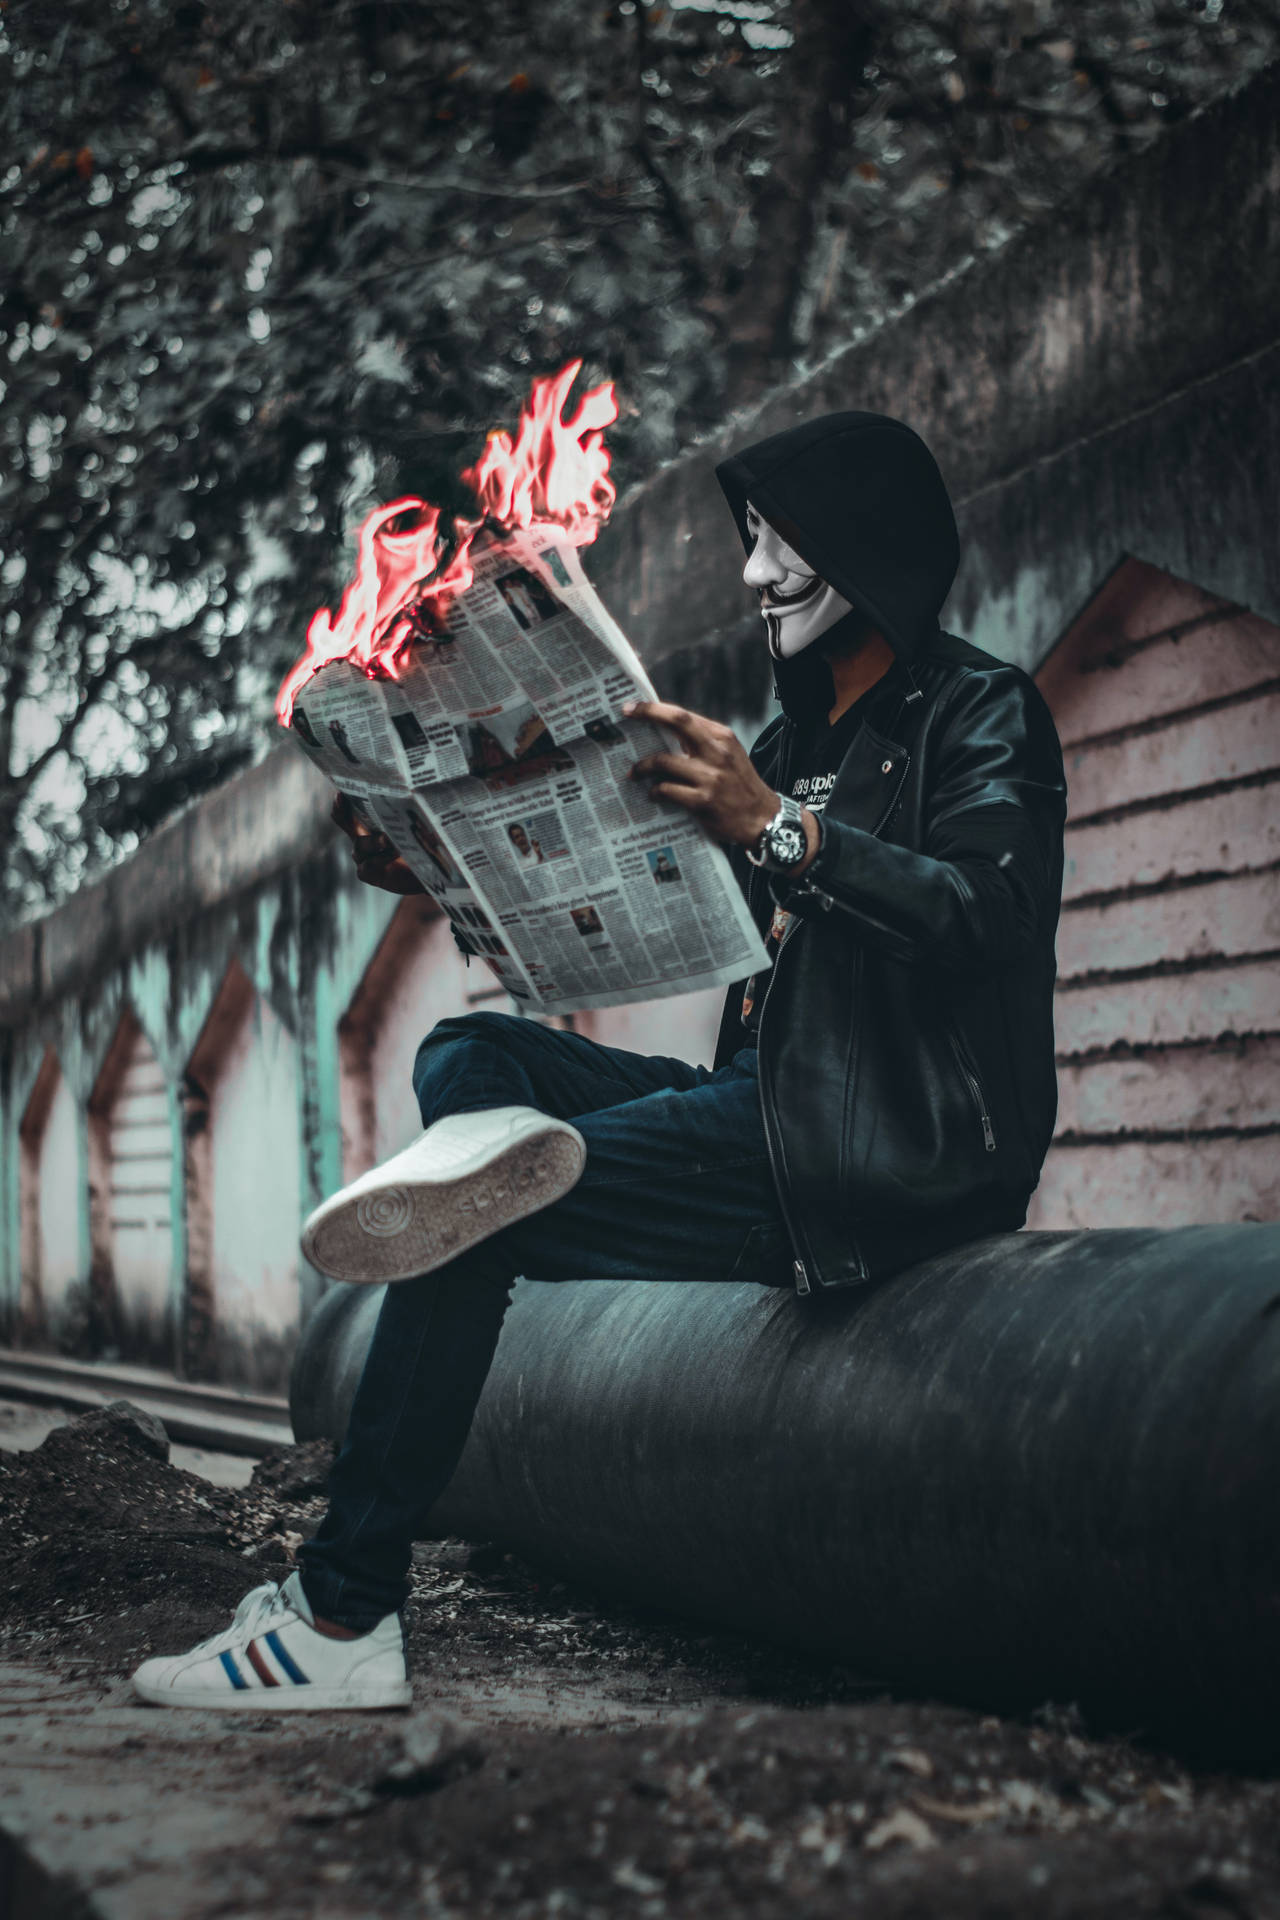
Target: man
{"type": "Point", "coordinates": [885, 1090]}
{"type": "Point", "coordinates": [525, 843]}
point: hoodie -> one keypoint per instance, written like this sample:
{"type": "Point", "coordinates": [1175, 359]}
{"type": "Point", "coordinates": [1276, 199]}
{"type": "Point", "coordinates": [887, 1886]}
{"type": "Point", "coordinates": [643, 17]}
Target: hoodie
{"type": "Point", "coordinates": [860, 498]}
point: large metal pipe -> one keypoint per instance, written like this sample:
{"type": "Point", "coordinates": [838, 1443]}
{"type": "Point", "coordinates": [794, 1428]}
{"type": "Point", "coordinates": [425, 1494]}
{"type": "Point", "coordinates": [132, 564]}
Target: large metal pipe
{"type": "Point", "coordinates": [1043, 1466]}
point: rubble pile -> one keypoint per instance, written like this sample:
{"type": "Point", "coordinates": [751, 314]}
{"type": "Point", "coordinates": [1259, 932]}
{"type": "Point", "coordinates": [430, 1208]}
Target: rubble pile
{"type": "Point", "coordinates": [102, 1540]}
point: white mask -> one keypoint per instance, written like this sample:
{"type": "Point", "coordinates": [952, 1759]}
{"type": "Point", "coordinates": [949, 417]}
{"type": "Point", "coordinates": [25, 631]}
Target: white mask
{"type": "Point", "coordinates": [796, 603]}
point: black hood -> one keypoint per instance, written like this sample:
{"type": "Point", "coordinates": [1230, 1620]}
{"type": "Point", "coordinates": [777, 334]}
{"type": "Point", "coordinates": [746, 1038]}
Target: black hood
{"type": "Point", "coordinates": [860, 498]}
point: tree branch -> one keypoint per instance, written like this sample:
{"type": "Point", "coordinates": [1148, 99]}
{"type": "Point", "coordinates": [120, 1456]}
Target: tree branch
{"type": "Point", "coordinates": [151, 76]}
{"type": "Point", "coordinates": [681, 226]}
{"type": "Point", "coordinates": [427, 183]}
{"type": "Point", "coordinates": [144, 652]}
{"type": "Point", "coordinates": [833, 43]}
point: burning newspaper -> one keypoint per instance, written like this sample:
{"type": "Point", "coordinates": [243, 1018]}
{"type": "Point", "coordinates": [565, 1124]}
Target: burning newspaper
{"type": "Point", "coordinates": [473, 715]}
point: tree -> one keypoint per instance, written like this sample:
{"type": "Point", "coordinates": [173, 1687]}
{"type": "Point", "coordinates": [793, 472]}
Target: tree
{"type": "Point", "coordinates": [268, 264]}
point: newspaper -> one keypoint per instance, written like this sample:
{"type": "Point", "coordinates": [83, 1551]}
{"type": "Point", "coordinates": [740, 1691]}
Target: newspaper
{"type": "Point", "coordinates": [497, 764]}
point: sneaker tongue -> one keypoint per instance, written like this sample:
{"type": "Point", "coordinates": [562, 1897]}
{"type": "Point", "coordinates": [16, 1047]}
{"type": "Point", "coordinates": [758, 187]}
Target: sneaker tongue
{"type": "Point", "coordinates": [254, 1602]}
{"type": "Point", "coordinates": [292, 1592]}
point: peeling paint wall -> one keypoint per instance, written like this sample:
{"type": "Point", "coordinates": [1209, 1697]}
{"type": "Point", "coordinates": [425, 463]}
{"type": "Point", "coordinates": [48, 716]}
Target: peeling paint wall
{"type": "Point", "coordinates": [131, 1193]}
{"type": "Point", "coordinates": [254, 1197]}
{"type": "Point", "coordinates": [53, 1176]}
{"type": "Point", "coordinates": [1104, 399]}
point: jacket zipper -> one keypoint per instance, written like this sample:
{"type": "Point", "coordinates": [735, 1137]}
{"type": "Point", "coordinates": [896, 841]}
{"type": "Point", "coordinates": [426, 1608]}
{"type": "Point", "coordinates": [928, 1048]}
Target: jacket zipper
{"type": "Point", "coordinates": [801, 1271]}
{"type": "Point", "coordinates": [800, 1268]}
{"type": "Point", "coordinates": [975, 1089]}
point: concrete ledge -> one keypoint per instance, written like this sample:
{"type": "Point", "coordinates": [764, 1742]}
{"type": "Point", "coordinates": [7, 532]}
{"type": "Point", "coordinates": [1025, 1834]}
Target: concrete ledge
{"type": "Point", "coordinates": [261, 823]}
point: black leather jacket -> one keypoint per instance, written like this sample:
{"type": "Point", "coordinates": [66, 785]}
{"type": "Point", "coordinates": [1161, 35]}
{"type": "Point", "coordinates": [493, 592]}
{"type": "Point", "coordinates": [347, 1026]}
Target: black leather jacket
{"type": "Point", "coordinates": [906, 1056]}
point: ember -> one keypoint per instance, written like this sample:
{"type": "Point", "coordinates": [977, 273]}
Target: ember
{"type": "Point", "coordinates": [555, 473]}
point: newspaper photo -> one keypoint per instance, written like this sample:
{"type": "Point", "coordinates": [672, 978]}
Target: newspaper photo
{"type": "Point", "coordinates": [497, 764]}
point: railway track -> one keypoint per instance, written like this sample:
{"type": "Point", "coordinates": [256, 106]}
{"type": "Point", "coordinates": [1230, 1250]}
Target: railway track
{"type": "Point", "coordinates": [223, 1419]}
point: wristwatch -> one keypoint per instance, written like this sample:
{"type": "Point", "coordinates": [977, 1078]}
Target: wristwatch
{"type": "Point", "coordinates": [782, 845]}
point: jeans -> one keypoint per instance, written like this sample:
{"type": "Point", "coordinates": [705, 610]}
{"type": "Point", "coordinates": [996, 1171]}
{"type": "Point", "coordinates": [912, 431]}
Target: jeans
{"type": "Point", "coordinates": [677, 1186]}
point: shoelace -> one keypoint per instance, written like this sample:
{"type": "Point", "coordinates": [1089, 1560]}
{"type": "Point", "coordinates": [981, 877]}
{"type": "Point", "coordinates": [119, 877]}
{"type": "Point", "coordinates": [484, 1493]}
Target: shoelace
{"type": "Point", "coordinates": [258, 1606]}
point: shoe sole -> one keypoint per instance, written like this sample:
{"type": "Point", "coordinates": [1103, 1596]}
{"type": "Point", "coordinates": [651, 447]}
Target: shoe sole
{"type": "Point", "coordinates": [413, 1227]}
{"type": "Point", "coordinates": [277, 1700]}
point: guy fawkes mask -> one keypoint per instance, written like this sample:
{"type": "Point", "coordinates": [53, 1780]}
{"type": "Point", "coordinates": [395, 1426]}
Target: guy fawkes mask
{"type": "Point", "coordinates": [797, 605]}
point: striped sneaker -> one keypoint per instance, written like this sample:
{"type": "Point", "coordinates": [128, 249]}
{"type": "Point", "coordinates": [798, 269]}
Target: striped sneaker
{"type": "Point", "coordinates": [271, 1659]}
{"type": "Point", "coordinates": [469, 1175]}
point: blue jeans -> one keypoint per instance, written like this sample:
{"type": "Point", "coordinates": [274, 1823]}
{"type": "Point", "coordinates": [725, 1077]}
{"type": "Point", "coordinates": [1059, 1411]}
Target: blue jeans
{"type": "Point", "coordinates": [677, 1186]}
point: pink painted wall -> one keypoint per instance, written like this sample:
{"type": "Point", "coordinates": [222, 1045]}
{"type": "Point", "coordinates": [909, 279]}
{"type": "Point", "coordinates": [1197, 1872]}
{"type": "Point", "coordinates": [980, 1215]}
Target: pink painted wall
{"type": "Point", "coordinates": [683, 1025]}
{"type": "Point", "coordinates": [416, 977]}
{"type": "Point", "coordinates": [50, 1184]}
{"type": "Point", "coordinates": [132, 1191]}
{"type": "Point", "coordinates": [1168, 1008]}
{"type": "Point", "coordinates": [244, 1192]}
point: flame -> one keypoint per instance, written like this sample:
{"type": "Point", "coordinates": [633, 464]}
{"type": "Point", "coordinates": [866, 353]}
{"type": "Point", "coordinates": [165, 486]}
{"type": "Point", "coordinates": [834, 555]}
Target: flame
{"type": "Point", "coordinates": [393, 577]}
{"type": "Point", "coordinates": [555, 473]}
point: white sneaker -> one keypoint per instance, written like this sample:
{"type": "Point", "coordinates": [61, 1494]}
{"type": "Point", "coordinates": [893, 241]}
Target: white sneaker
{"type": "Point", "coordinates": [272, 1659]}
{"type": "Point", "coordinates": [469, 1175]}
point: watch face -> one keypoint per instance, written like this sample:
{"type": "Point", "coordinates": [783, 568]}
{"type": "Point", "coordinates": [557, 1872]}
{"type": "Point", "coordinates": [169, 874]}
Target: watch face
{"type": "Point", "coordinates": [787, 845]}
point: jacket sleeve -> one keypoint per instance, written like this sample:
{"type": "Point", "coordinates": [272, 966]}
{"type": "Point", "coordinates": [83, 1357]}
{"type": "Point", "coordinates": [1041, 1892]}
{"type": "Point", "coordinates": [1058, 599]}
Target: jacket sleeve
{"type": "Point", "coordinates": [988, 879]}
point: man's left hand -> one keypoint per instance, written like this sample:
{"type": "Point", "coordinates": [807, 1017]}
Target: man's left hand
{"type": "Point", "coordinates": [715, 779]}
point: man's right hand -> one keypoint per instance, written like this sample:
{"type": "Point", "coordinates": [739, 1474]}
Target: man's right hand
{"type": "Point", "coordinates": [377, 862]}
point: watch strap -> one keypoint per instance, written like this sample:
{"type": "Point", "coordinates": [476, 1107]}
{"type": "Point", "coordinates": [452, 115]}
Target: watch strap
{"type": "Point", "coordinates": [790, 814]}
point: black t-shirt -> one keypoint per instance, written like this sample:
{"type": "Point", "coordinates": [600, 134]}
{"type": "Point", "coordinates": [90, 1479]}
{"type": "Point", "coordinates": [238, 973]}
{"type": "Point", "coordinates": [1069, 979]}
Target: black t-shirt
{"type": "Point", "coordinates": [819, 750]}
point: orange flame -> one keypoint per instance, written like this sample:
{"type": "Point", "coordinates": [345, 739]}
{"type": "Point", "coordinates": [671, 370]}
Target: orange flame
{"type": "Point", "coordinates": [556, 473]}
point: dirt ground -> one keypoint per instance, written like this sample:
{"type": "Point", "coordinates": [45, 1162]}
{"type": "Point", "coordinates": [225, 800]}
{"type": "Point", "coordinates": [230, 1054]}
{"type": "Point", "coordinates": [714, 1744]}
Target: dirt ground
{"type": "Point", "coordinates": [607, 1761]}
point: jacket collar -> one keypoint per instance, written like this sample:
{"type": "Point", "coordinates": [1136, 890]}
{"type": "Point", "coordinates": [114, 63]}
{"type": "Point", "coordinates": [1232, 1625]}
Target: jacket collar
{"type": "Point", "coordinates": [875, 765]}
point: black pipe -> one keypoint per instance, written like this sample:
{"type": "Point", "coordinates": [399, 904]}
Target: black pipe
{"type": "Point", "coordinates": [1044, 1466]}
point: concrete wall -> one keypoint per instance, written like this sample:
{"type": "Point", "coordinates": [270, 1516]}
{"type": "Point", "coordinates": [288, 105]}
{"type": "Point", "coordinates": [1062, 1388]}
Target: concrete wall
{"type": "Point", "coordinates": [1104, 401]}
